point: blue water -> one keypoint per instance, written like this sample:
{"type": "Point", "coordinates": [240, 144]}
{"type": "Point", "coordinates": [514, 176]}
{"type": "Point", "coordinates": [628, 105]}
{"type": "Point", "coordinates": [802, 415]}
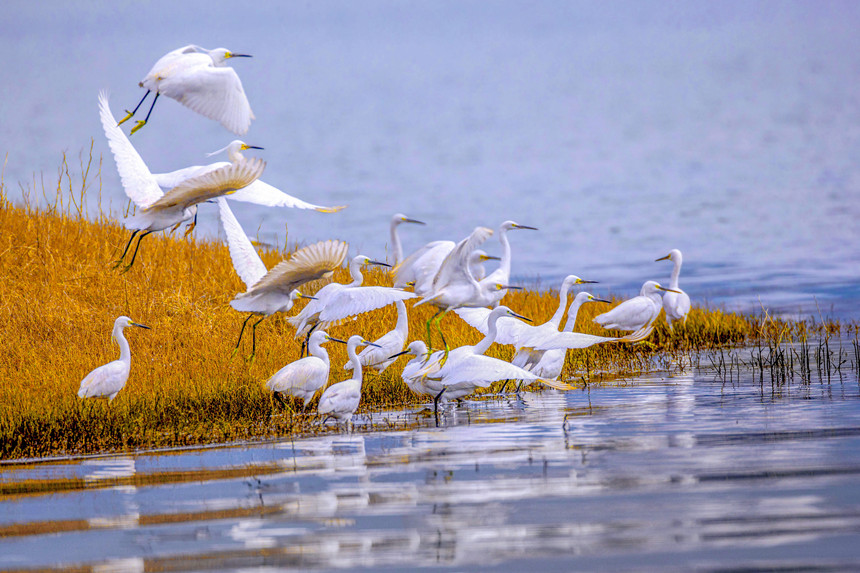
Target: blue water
{"type": "Point", "coordinates": [730, 130]}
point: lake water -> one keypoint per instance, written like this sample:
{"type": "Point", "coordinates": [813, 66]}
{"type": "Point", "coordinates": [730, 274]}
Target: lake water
{"type": "Point", "coordinates": [730, 130]}
{"type": "Point", "coordinates": [671, 472]}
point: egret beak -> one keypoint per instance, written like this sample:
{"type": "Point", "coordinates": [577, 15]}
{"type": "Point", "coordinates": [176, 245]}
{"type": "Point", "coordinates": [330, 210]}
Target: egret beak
{"type": "Point", "coordinates": [525, 227]}
{"type": "Point", "coordinates": [369, 343]}
{"type": "Point", "coordinates": [380, 263]}
{"type": "Point", "coordinates": [583, 282]}
{"type": "Point", "coordinates": [490, 258]}
{"type": "Point", "coordinates": [137, 324]}
{"type": "Point", "coordinates": [232, 55]}
{"type": "Point", "coordinates": [307, 296]}
{"type": "Point", "coordinates": [669, 289]}
{"type": "Point", "coordinates": [333, 339]}
{"type": "Point", "coordinates": [393, 356]}
{"type": "Point", "coordinates": [663, 258]}
{"type": "Point", "coordinates": [593, 299]}
{"type": "Point", "coordinates": [246, 146]}
{"type": "Point", "coordinates": [407, 220]}
{"type": "Point", "coordinates": [521, 317]}
{"type": "Point", "coordinates": [510, 287]}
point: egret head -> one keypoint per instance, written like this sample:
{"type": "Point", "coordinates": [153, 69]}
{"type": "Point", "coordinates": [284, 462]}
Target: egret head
{"type": "Point", "coordinates": [234, 150]}
{"type": "Point", "coordinates": [480, 256]}
{"type": "Point", "coordinates": [588, 297]}
{"type": "Point", "coordinates": [651, 287]}
{"type": "Point", "coordinates": [674, 256]}
{"type": "Point", "coordinates": [571, 280]}
{"type": "Point", "coordinates": [511, 225]}
{"type": "Point", "coordinates": [362, 260]}
{"type": "Point", "coordinates": [318, 336]}
{"type": "Point", "coordinates": [221, 55]}
{"type": "Point", "coordinates": [399, 218]}
{"type": "Point", "coordinates": [124, 321]}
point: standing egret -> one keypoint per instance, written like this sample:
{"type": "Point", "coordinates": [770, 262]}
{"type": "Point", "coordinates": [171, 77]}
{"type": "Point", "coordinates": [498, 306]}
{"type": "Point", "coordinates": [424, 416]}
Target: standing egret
{"type": "Point", "coordinates": [159, 210]}
{"type": "Point", "coordinates": [397, 248]}
{"type": "Point", "coordinates": [638, 312]}
{"type": "Point", "coordinates": [109, 379]}
{"type": "Point", "coordinates": [258, 192]}
{"type": "Point", "coordinates": [378, 357]}
{"type": "Point", "coordinates": [340, 400]}
{"type": "Point", "coordinates": [337, 301]}
{"type": "Point", "coordinates": [502, 275]}
{"type": "Point", "coordinates": [200, 80]}
{"type": "Point", "coordinates": [416, 371]}
{"type": "Point", "coordinates": [275, 290]}
{"type": "Point", "coordinates": [677, 303]}
{"type": "Point", "coordinates": [304, 377]}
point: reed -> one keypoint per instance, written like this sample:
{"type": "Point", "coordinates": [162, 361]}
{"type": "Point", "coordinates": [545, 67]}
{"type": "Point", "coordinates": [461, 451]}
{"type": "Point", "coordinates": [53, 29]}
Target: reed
{"type": "Point", "coordinates": [60, 298]}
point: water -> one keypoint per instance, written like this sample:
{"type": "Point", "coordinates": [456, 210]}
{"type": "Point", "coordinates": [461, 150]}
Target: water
{"type": "Point", "coordinates": [659, 473]}
{"type": "Point", "coordinates": [622, 130]}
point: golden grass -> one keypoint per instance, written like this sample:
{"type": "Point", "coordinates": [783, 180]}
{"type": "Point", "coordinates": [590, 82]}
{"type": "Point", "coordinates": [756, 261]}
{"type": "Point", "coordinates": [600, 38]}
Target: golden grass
{"type": "Point", "coordinates": [61, 297]}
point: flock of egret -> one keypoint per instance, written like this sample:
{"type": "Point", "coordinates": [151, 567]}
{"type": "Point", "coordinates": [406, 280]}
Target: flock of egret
{"type": "Point", "coordinates": [443, 274]}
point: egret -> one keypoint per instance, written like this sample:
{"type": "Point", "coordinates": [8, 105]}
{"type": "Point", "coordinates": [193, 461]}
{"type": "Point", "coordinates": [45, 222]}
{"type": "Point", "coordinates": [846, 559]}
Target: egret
{"type": "Point", "coordinates": [162, 210]}
{"type": "Point", "coordinates": [258, 192]}
{"type": "Point", "coordinates": [420, 267]}
{"type": "Point", "coordinates": [274, 291]}
{"type": "Point", "coordinates": [397, 248]}
{"type": "Point", "coordinates": [337, 301]}
{"type": "Point", "coordinates": [340, 400]}
{"type": "Point", "coordinates": [304, 377]}
{"type": "Point", "coordinates": [502, 275]}
{"type": "Point", "coordinates": [378, 357]}
{"type": "Point", "coordinates": [108, 379]}
{"type": "Point", "coordinates": [200, 80]}
{"type": "Point", "coordinates": [676, 304]}
{"type": "Point", "coordinates": [416, 371]}
{"type": "Point", "coordinates": [638, 312]}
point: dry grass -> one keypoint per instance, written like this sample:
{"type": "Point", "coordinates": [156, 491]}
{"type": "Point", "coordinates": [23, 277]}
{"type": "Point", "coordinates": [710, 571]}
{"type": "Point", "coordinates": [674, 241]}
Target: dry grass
{"type": "Point", "coordinates": [60, 299]}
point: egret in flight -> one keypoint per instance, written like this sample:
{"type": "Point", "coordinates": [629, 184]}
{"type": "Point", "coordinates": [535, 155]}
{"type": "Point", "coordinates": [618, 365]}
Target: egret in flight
{"type": "Point", "coordinates": [304, 377]}
{"type": "Point", "coordinates": [275, 290]}
{"type": "Point", "coordinates": [378, 357]}
{"type": "Point", "coordinates": [258, 192]}
{"type": "Point", "coordinates": [200, 80]}
{"type": "Point", "coordinates": [676, 304]}
{"type": "Point", "coordinates": [340, 400]}
{"type": "Point", "coordinates": [108, 379]}
{"type": "Point", "coordinates": [159, 210]}
{"type": "Point", "coordinates": [636, 313]}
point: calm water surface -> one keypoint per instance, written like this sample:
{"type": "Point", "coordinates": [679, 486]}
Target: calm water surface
{"type": "Point", "coordinates": [730, 130]}
{"type": "Point", "coordinates": [659, 473]}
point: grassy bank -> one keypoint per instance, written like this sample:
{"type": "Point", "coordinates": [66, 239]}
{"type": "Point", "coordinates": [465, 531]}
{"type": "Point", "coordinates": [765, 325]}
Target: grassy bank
{"type": "Point", "coordinates": [60, 298]}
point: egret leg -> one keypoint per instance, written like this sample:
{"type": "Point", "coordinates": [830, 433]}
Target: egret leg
{"type": "Point", "coordinates": [190, 226]}
{"type": "Point", "coordinates": [254, 337]}
{"type": "Point", "coordinates": [439, 328]}
{"type": "Point", "coordinates": [127, 245]}
{"type": "Point", "coordinates": [241, 332]}
{"type": "Point", "coordinates": [280, 400]}
{"type": "Point", "coordinates": [134, 256]}
{"type": "Point", "coordinates": [141, 123]}
{"type": "Point", "coordinates": [130, 114]}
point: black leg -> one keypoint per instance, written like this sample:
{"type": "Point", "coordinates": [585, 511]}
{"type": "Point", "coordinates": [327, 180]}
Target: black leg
{"type": "Point", "coordinates": [254, 336]}
{"type": "Point", "coordinates": [280, 400]}
{"type": "Point", "coordinates": [143, 122]}
{"type": "Point", "coordinates": [241, 332]}
{"type": "Point", "coordinates": [134, 256]}
{"type": "Point", "coordinates": [127, 245]}
{"type": "Point", "coordinates": [130, 114]}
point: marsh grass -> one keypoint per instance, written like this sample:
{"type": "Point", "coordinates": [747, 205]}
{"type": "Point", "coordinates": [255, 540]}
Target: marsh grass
{"type": "Point", "coordinates": [61, 297]}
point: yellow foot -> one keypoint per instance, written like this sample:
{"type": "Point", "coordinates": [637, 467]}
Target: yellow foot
{"type": "Point", "coordinates": [127, 117]}
{"type": "Point", "coordinates": [140, 123]}
{"type": "Point", "coordinates": [189, 228]}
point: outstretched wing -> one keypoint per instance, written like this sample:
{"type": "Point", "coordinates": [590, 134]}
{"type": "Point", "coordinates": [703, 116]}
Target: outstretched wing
{"type": "Point", "coordinates": [173, 178]}
{"type": "Point", "coordinates": [246, 261]}
{"type": "Point", "coordinates": [422, 264]}
{"type": "Point", "coordinates": [137, 181]}
{"type": "Point", "coordinates": [306, 264]}
{"type": "Point", "coordinates": [216, 93]}
{"type": "Point", "coordinates": [509, 330]}
{"type": "Point", "coordinates": [572, 340]}
{"type": "Point", "coordinates": [213, 184]}
{"type": "Point", "coordinates": [456, 264]}
{"type": "Point", "coordinates": [262, 193]}
{"type": "Point", "coordinates": [482, 370]}
{"type": "Point", "coordinates": [357, 300]}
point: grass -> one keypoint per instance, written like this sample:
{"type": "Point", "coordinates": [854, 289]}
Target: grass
{"type": "Point", "coordinates": [60, 299]}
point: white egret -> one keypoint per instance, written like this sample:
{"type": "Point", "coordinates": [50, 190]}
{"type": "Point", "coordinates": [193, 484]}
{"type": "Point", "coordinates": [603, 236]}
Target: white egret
{"type": "Point", "coordinates": [420, 268]}
{"type": "Point", "coordinates": [275, 290]}
{"type": "Point", "coordinates": [337, 301]}
{"type": "Point", "coordinates": [340, 400]}
{"type": "Point", "coordinates": [108, 379]}
{"type": "Point", "coordinates": [200, 80]}
{"type": "Point", "coordinates": [378, 357]}
{"type": "Point", "coordinates": [304, 377]}
{"type": "Point", "coordinates": [676, 304]}
{"type": "Point", "coordinates": [416, 371]}
{"type": "Point", "coordinates": [258, 192]}
{"type": "Point", "coordinates": [160, 210]}
{"type": "Point", "coordinates": [502, 275]}
{"type": "Point", "coordinates": [638, 312]}
{"type": "Point", "coordinates": [397, 248]}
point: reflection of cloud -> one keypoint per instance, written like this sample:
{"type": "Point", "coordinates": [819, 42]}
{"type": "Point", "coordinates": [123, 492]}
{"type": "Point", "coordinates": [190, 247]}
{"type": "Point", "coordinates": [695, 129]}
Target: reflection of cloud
{"type": "Point", "coordinates": [105, 468]}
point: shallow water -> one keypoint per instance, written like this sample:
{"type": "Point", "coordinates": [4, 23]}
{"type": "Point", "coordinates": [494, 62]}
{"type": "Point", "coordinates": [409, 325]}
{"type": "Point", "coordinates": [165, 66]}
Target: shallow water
{"type": "Point", "coordinates": [657, 473]}
{"type": "Point", "coordinates": [621, 130]}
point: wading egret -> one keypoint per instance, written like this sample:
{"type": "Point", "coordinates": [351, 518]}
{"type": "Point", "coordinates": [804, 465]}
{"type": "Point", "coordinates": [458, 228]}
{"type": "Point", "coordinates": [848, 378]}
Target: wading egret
{"type": "Point", "coordinates": [676, 304]}
{"type": "Point", "coordinates": [638, 312]}
{"type": "Point", "coordinates": [340, 400]}
{"type": "Point", "coordinates": [378, 357]}
{"type": "Point", "coordinates": [258, 192]}
{"type": "Point", "coordinates": [107, 380]}
{"type": "Point", "coordinates": [304, 377]}
{"type": "Point", "coordinates": [274, 291]}
{"type": "Point", "coordinates": [397, 248]}
{"type": "Point", "coordinates": [336, 301]}
{"type": "Point", "coordinates": [502, 275]}
{"type": "Point", "coordinates": [160, 210]}
{"type": "Point", "coordinates": [200, 80]}
{"type": "Point", "coordinates": [416, 371]}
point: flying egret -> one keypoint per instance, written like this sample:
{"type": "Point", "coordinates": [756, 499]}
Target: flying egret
{"type": "Point", "coordinates": [396, 220]}
{"type": "Point", "coordinates": [336, 301]}
{"type": "Point", "coordinates": [638, 312]}
{"type": "Point", "coordinates": [378, 357]}
{"type": "Point", "coordinates": [304, 377]}
{"type": "Point", "coordinates": [109, 379]}
{"type": "Point", "coordinates": [340, 400]}
{"type": "Point", "coordinates": [258, 192]}
{"type": "Point", "coordinates": [420, 268]}
{"type": "Point", "coordinates": [676, 304]}
{"type": "Point", "coordinates": [200, 80]}
{"type": "Point", "coordinates": [274, 291]}
{"type": "Point", "coordinates": [160, 210]}
{"type": "Point", "coordinates": [502, 275]}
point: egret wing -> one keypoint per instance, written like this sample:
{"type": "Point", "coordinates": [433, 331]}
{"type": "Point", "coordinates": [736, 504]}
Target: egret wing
{"type": "Point", "coordinates": [307, 374]}
{"type": "Point", "coordinates": [482, 370]}
{"type": "Point", "coordinates": [422, 262]}
{"type": "Point", "coordinates": [214, 92]}
{"type": "Point", "coordinates": [174, 178]}
{"type": "Point", "coordinates": [358, 300]}
{"type": "Point", "coordinates": [247, 263]}
{"type": "Point", "coordinates": [509, 330]}
{"type": "Point", "coordinates": [213, 184]}
{"type": "Point", "coordinates": [137, 181]}
{"type": "Point", "coordinates": [262, 193]}
{"type": "Point", "coordinates": [306, 264]}
{"type": "Point", "coordinates": [636, 311]}
{"type": "Point", "coordinates": [572, 340]}
{"type": "Point", "coordinates": [338, 397]}
{"type": "Point", "coordinates": [455, 266]}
